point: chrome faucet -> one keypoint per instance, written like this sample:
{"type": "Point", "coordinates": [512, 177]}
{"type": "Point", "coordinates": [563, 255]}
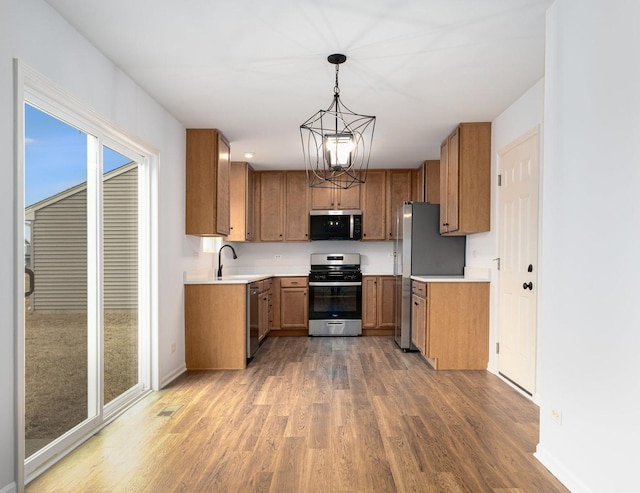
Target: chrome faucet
{"type": "Point", "coordinates": [220, 258]}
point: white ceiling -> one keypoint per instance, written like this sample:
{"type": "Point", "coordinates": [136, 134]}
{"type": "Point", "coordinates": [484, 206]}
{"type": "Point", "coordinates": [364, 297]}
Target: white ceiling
{"type": "Point", "coordinates": [257, 69]}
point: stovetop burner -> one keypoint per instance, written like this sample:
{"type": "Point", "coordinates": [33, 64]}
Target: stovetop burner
{"type": "Point", "coordinates": [335, 267]}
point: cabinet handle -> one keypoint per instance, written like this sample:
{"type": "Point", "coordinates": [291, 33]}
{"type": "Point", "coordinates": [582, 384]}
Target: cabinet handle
{"type": "Point", "coordinates": [528, 285]}
{"type": "Point", "coordinates": [294, 282]}
{"type": "Point", "coordinates": [415, 303]}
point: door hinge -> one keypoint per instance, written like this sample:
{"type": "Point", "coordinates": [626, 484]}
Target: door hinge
{"type": "Point", "coordinates": [497, 262]}
{"type": "Point", "coordinates": [497, 348]}
{"type": "Point", "coordinates": [499, 180]}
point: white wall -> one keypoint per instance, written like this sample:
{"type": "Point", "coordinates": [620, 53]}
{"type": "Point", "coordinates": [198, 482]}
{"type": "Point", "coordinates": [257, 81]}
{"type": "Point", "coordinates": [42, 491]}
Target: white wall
{"type": "Point", "coordinates": [589, 325]}
{"type": "Point", "coordinates": [32, 31]}
{"type": "Point", "coordinates": [376, 256]}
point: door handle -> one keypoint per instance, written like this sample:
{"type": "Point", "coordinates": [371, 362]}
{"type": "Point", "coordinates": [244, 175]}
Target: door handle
{"type": "Point", "coordinates": [528, 285]}
{"type": "Point", "coordinates": [32, 281]}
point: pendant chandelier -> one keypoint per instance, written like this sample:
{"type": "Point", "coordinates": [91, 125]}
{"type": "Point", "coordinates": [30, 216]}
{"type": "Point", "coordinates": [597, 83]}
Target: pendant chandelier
{"type": "Point", "coordinates": [337, 142]}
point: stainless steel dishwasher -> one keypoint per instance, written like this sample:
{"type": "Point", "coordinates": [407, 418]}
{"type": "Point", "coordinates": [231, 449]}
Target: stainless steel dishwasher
{"type": "Point", "coordinates": [252, 319]}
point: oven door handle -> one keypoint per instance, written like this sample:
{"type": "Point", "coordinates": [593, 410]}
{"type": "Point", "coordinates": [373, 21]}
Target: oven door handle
{"type": "Point", "coordinates": [335, 284]}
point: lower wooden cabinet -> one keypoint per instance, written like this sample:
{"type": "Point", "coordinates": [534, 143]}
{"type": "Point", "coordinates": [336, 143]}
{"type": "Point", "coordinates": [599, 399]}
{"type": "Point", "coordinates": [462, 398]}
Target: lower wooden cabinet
{"type": "Point", "coordinates": [378, 302]}
{"type": "Point", "coordinates": [450, 323]}
{"type": "Point", "coordinates": [265, 310]}
{"type": "Point", "coordinates": [419, 321]}
{"type": "Point", "coordinates": [290, 304]}
{"type": "Point", "coordinates": [215, 326]}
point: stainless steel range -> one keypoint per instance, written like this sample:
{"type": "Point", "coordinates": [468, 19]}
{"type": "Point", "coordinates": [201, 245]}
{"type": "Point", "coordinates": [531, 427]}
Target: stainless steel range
{"type": "Point", "coordinates": [335, 295]}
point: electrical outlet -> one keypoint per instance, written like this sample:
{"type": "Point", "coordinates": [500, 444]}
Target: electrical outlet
{"type": "Point", "coordinates": [556, 415]}
{"type": "Point", "coordinates": [277, 257]}
{"type": "Point", "coordinates": [173, 348]}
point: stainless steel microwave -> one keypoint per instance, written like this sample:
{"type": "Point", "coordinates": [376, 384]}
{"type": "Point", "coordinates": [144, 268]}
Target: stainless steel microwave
{"type": "Point", "coordinates": [335, 225]}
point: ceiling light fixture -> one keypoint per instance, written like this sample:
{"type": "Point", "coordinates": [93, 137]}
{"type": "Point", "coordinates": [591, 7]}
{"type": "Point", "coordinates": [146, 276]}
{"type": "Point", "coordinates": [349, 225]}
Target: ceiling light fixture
{"type": "Point", "coordinates": [337, 142]}
{"type": "Point", "coordinates": [248, 155]}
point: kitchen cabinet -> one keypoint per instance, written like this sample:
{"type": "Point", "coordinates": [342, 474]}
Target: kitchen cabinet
{"type": "Point", "coordinates": [450, 323]}
{"type": "Point", "coordinates": [382, 193]}
{"type": "Point", "coordinates": [374, 206]}
{"type": "Point", "coordinates": [418, 321]}
{"type": "Point", "coordinates": [215, 326]}
{"type": "Point", "coordinates": [378, 302]}
{"type": "Point", "coordinates": [296, 206]}
{"type": "Point", "coordinates": [294, 303]}
{"type": "Point", "coordinates": [207, 183]}
{"type": "Point", "coordinates": [241, 202]}
{"type": "Point", "coordinates": [272, 205]}
{"type": "Point", "coordinates": [432, 181]}
{"type": "Point", "coordinates": [335, 198]}
{"type": "Point", "coordinates": [283, 206]}
{"type": "Point", "coordinates": [265, 308]}
{"type": "Point", "coordinates": [418, 183]}
{"type": "Point", "coordinates": [398, 192]}
{"type": "Point", "coordinates": [465, 180]}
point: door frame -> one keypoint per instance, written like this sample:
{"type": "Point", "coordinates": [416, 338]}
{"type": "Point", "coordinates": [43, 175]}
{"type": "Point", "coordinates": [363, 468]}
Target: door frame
{"type": "Point", "coordinates": [534, 131]}
{"type": "Point", "coordinates": [32, 86]}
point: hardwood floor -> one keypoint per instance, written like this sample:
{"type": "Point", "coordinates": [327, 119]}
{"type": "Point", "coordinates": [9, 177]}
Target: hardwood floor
{"type": "Point", "coordinates": [317, 415]}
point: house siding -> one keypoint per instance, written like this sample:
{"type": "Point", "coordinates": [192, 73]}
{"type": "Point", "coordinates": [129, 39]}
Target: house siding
{"type": "Point", "coordinates": [59, 250]}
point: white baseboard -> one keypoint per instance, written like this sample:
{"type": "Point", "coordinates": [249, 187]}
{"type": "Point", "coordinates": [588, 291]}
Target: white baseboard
{"type": "Point", "coordinates": [563, 474]}
{"type": "Point", "coordinates": [171, 376]}
{"type": "Point", "coordinates": [10, 488]}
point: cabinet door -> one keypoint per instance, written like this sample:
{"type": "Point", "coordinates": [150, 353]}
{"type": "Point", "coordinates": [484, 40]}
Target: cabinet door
{"type": "Point", "coordinates": [418, 322]}
{"type": "Point", "coordinates": [398, 192]}
{"type": "Point", "coordinates": [453, 163]}
{"type": "Point", "coordinates": [432, 181]}
{"type": "Point", "coordinates": [275, 303]}
{"type": "Point", "coordinates": [294, 308]}
{"type": "Point", "coordinates": [322, 198]}
{"type": "Point", "coordinates": [222, 200]}
{"type": "Point", "coordinates": [297, 206]}
{"type": "Point", "coordinates": [444, 172]}
{"type": "Point", "coordinates": [369, 302]}
{"type": "Point", "coordinates": [207, 183]}
{"type": "Point", "coordinates": [263, 315]}
{"type": "Point", "coordinates": [241, 202]}
{"type": "Point", "coordinates": [386, 302]}
{"type": "Point", "coordinates": [374, 206]}
{"type": "Point", "coordinates": [272, 206]}
{"type": "Point", "coordinates": [348, 199]}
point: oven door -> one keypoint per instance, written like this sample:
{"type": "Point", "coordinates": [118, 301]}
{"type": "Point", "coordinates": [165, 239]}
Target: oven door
{"type": "Point", "coordinates": [335, 301]}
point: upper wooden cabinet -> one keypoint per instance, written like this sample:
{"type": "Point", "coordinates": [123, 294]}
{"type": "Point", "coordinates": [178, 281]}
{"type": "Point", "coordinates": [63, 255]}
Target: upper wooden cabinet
{"type": "Point", "coordinates": [272, 187]}
{"type": "Point", "coordinates": [207, 187]}
{"type": "Point", "coordinates": [374, 205]}
{"type": "Point", "coordinates": [296, 206]}
{"type": "Point", "coordinates": [283, 209]}
{"type": "Point", "coordinates": [465, 180]}
{"type": "Point", "coordinates": [241, 202]}
{"type": "Point", "coordinates": [335, 198]}
{"type": "Point", "coordinates": [432, 181]}
{"type": "Point", "coordinates": [398, 192]}
{"type": "Point", "coordinates": [382, 193]}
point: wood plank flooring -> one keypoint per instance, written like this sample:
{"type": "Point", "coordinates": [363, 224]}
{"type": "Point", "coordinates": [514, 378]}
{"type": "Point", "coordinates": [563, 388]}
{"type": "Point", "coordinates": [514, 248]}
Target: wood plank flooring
{"type": "Point", "coordinates": [317, 415]}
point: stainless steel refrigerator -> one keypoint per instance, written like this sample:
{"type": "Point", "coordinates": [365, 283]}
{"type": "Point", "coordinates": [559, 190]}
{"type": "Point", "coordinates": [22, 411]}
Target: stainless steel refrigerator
{"type": "Point", "coordinates": [420, 250]}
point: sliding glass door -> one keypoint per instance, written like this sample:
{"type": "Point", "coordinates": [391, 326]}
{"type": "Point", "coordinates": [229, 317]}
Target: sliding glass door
{"type": "Point", "coordinates": [85, 345]}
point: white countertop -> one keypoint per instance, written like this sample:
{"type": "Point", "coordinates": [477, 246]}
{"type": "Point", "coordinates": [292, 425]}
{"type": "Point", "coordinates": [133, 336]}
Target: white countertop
{"type": "Point", "coordinates": [208, 277]}
{"type": "Point", "coordinates": [447, 279]}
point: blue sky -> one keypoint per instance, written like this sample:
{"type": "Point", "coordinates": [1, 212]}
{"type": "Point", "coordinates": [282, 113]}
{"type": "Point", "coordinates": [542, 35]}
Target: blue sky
{"type": "Point", "coordinates": [56, 156]}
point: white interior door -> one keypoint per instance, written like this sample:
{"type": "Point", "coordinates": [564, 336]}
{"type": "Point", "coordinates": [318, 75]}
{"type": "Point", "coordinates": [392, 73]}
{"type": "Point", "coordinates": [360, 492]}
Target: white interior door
{"type": "Point", "coordinates": [519, 260]}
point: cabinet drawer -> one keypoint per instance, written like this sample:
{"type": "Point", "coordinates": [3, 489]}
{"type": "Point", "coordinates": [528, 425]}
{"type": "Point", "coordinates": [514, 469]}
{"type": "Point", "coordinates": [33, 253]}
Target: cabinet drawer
{"type": "Point", "coordinates": [293, 282]}
{"type": "Point", "coordinates": [419, 288]}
